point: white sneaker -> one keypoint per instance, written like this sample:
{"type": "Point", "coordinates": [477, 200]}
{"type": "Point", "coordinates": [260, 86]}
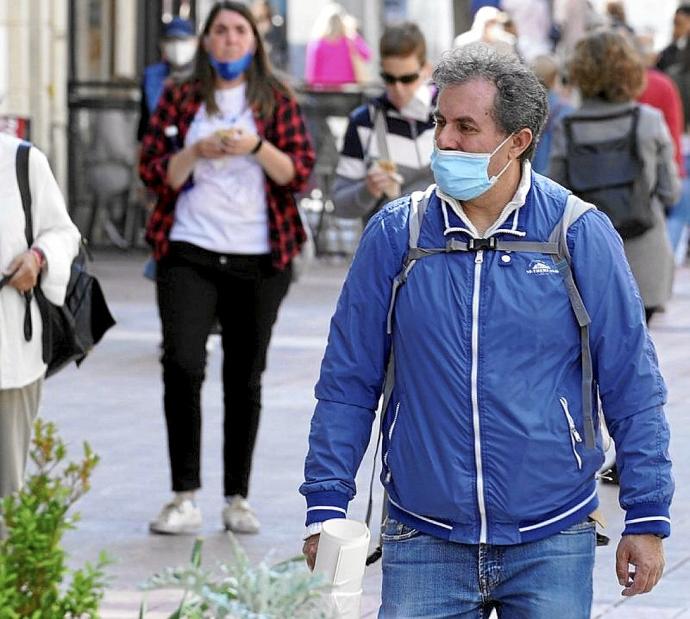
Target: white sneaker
{"type": "Point", "coordinates": [177, 518]}
{"type": "Point", "coordinates": [239, 517]}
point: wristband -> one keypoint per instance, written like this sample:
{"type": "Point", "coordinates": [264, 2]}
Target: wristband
{"type": "Point", "coordinates": [40, 256]}
{"type": "Point", "coordinates": [258, 146]}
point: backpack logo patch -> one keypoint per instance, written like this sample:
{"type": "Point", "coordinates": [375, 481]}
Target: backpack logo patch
{"type": "Point", "coordinates": [539, 267]}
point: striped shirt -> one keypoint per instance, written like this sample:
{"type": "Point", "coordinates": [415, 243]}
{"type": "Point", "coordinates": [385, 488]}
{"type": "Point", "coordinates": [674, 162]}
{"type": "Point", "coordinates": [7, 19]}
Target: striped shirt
{"type": "Point", "coordinates": [409, 142]}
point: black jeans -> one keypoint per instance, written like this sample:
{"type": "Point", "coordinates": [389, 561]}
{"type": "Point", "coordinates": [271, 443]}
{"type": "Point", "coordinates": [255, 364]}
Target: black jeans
{"type": "Point", "coordinates": [195, 287]}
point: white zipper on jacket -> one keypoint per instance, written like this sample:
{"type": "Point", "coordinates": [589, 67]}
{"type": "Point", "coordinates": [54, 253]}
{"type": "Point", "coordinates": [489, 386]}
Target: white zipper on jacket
{"type": "Point", "coordinates": [574, 434]}
{"type": "Point", "coordinates": [390, 438]}
{"type": "Point", "coordinates": [479, 258]}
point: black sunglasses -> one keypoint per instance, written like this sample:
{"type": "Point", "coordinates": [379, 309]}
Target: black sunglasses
{"type": "Point", "coordinates": [403, 79]}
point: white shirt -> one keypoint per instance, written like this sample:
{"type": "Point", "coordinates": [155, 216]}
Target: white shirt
{"type": "Point", "coordinates": [225, 210]}
{"type": "Point", "coordinates": [21, 362]}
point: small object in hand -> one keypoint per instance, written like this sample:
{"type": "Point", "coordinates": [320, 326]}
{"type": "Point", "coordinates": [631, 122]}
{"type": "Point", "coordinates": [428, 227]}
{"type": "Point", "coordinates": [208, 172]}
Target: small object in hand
{"type": "Point", "coordinates": [227, 134]}
{"type": "Point", "coordinates": [390, 168]}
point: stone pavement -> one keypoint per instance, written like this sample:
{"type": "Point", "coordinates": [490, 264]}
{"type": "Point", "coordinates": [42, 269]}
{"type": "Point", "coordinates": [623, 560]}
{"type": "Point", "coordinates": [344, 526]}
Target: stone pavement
{"type": "Point", "coordinates": [114, 402]}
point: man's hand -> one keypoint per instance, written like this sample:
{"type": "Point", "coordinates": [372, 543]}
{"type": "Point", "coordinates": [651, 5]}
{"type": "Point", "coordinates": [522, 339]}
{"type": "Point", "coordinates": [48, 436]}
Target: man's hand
{"type": "Point", "coordinates": [380, 182]}
{"type": "Point", "coordinates": [311, 545]}
{"type": "Point", "coordinates": [25, 268]}
{"type": "Point", "coordinates": [646, 554]}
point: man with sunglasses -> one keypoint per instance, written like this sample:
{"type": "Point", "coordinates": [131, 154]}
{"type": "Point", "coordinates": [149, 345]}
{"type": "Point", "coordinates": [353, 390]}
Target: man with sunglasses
{"type": "Point", "coordinates": [389, 140]}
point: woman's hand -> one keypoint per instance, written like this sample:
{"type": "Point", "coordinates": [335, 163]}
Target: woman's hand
{"type": "Point", "coordinates": [210, 147]}
{"type": "Point", "coordinates": [239, 141]}
{"type": "Point", "coordinates": [24, 270]}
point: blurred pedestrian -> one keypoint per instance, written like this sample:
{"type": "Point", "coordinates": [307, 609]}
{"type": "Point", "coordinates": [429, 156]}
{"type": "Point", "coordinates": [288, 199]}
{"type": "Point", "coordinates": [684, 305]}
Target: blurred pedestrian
{"type": "Point", "coordinates": [224, 152]}
{"type": "Point", "coordinates": [674, 60]}
{"type": "Point", "coordinates": [671, 54]}
{"type": "Point", "coordinates": [488, 27]}
{"type": "Point", "coordinates": [610, 74]}
{"type": "Point", "coordinates": [533, 23]}
{"type": "Point", "coordinates": [272, 28]}
{"type": "Point", "coordinates": [336, 53]}
{"type": "Point", "coordinates": [389, 140]}
{"type": "Point", "coordinates": [548, 69]}
{"type": "Point", "coordinates": [455, 311]}
{"type": "Point", "coordinates": [47, 262]}
{"type": "Point", "coordinates": [178, 46]}
{"type": "Point", "coordinates": [662, 93]}
{"type": "Point", "coordinates": [617, 20]}
{"type": "Point", "coordinates": [574, 19]}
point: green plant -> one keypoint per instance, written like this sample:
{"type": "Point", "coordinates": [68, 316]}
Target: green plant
{"type": "Point", "coordinates": [239, 590]}
{"type": "Point", "coordinates": [33, 572]}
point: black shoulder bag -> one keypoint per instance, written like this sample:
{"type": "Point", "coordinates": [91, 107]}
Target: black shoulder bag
{"type": "Point", "coordinates": [71, 330]}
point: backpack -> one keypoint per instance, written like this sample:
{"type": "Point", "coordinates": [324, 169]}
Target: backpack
{"type": "Point", "coordinates": [610, 174]}
{"type": "Point", "coordinates": [71, 330]}
{"type": "Point", "coordinates": [556, 246]}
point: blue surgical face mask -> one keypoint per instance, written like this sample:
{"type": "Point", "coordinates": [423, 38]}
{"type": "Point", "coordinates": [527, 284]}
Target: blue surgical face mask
{"type": "Point", "coordinates": [462, 175]}
{"type": "Point", "coordinates": [233, 69]}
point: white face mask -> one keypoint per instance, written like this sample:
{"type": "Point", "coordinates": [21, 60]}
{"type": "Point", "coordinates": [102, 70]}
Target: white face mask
{"type": "Point", "coordinates": [180, 53]}
{"type": "Point", "coordinates": [418, 107]}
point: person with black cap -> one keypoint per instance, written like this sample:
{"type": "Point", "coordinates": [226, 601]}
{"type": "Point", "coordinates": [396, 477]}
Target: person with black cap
{"type": "Point", "coordinates": [178, 48]}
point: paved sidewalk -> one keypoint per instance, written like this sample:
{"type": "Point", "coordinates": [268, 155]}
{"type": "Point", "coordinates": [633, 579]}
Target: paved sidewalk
{"type": "Point", "coordinates": [114, 402]}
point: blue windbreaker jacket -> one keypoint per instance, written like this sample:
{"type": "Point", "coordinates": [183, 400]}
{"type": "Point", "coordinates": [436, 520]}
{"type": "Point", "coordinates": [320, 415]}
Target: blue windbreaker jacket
{"type": "Point", "coordinates": [482, 439]}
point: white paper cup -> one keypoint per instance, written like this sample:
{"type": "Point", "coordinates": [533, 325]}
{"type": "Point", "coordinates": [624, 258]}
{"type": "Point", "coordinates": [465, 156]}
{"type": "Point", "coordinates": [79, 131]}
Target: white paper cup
{"type": "Point", "coordinates": [341, 557]}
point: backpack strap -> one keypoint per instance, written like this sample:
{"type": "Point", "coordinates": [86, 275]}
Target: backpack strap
{"type": "Point", "coordinates": [419, 201]}
{"type": "Point", "coordinates": [574, 208]}
{"type": "Point", "coordinates": [22, 171]}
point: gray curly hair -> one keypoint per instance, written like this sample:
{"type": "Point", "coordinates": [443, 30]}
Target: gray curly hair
{"type": "Point", "coordinates": [520, 101]}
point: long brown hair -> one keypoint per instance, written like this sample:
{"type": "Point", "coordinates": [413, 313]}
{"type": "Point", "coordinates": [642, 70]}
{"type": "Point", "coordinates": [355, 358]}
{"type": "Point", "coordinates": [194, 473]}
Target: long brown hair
{"type": "Point", "coordinates": [261, 81]}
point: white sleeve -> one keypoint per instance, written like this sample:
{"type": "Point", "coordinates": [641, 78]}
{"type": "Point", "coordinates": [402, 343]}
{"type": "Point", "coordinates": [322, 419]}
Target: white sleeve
{"type": "Point", "coordinates": [54, 232]}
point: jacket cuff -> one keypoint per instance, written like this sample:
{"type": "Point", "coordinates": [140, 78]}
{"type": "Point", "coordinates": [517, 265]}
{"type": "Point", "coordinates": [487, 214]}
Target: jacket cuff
{"type": "Point", "coordinates": [313, 529]}
{"type": "Point", "coordinates": [325, 506]}
{"type": "Point", "coordinates": [648, 518]}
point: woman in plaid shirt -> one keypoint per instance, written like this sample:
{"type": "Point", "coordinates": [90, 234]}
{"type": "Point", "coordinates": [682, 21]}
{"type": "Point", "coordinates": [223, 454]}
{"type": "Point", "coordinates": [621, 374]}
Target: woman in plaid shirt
{"type": "Point", "coordinates": [225, 153]}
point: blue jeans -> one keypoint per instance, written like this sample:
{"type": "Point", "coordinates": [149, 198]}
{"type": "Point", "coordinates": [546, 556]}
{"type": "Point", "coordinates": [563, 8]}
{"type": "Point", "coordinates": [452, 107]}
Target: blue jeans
{"type": "Point", "coordinates": [424, 576]}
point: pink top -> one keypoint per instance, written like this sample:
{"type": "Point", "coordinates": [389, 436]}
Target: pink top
{"type": "Point", "coordinates": [329, 62]}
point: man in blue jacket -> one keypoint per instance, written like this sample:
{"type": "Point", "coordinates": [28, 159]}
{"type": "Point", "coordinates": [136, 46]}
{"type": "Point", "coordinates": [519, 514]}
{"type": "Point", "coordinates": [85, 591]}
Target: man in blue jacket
{"type": "Point", "coordinates": [491, 438]}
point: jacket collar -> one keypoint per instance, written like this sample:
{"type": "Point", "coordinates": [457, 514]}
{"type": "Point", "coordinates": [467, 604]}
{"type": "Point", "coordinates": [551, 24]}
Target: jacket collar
{"type": "Point", "coordinates": [507, 222]}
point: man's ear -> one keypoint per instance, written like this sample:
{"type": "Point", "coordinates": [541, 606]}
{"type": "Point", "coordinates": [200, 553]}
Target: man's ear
{"type": "Point", "coordinates": [520, 142]}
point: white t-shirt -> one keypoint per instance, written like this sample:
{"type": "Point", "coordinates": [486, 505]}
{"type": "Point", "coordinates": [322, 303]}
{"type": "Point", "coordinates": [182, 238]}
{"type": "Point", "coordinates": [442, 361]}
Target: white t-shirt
{"type": "Point", "coordinates": [225, 210]}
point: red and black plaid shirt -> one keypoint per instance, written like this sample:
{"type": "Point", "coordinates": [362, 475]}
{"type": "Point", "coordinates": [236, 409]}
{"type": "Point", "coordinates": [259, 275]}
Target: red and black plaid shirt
{"type": "Point", "coordinates": [285, 130]}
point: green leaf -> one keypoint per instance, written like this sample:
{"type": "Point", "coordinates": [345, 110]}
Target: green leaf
{"type": "Point", "coordinates": [196, 552]}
